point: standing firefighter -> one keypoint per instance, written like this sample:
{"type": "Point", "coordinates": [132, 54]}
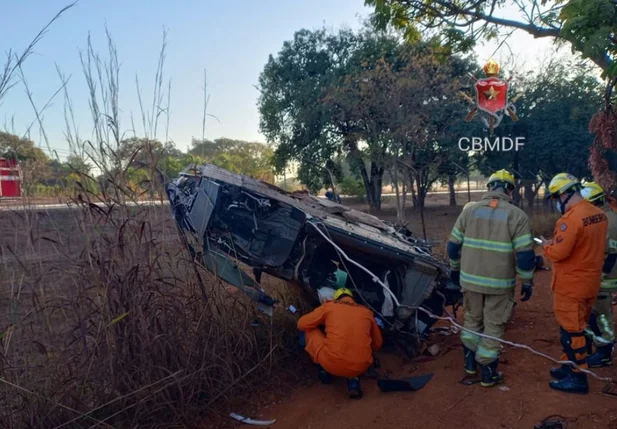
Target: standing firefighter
{"type": "Point", "coordinates": [490, 244]}
{"type": "Point", "coordinates": [577, 253]}
{"type": "Point", "coordinates": [601, 320]}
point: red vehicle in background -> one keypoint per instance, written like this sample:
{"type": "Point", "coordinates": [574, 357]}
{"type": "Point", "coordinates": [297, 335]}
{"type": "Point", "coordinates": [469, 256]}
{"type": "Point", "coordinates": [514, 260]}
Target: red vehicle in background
{"type": "Point", "coordinates": [10, 178]}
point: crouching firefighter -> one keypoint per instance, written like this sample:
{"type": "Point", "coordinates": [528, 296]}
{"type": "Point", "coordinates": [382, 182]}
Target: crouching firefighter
{"type": "Point", "coordinates": [577, 254]}
{"type": "Point", "coordinates": [489, 246]}
{"type": "Point", "coordinates": [346, 347]}
{"type": "Point", "coordinates": [601, 320]}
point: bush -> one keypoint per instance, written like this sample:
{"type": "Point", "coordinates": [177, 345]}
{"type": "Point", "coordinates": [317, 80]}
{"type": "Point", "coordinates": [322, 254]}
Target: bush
{"type": "Point", "coordinates": [353, 187]}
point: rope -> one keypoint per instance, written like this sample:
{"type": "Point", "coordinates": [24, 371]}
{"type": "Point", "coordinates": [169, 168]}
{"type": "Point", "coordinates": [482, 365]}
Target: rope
{"type": "Point", "coordinates": [451, 319]}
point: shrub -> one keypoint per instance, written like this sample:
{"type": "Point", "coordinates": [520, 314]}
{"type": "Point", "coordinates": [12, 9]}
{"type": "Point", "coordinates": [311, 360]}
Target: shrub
{"type": "Point", "coordinates": [352, 186]}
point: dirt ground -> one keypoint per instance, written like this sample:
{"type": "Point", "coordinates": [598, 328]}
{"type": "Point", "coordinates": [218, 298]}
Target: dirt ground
{"type": "Point", "coordinates": [523, 402]}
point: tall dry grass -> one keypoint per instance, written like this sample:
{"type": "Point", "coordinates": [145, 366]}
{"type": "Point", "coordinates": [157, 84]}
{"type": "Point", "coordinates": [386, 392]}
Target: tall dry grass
{"type": "Point", "coordinates": [105, 321]}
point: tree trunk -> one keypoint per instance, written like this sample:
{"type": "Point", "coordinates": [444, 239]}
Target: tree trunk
{"type": "Point", "coordinates": [451, 182]}
{"type": "Point", "coordinates": [404, 202]}
{"type": "Point", "coordinates": [412, 185]}
{"type": "Point", "coordinates": [421, 197]}
{"type": "Point", "coordinates": [399, 212]}
{"type": "Point", "coordinates": [372, 184]}
{"type": "Point", "coordinates": [529, 194]}
{"type": "Point", "coordinates": [376, 184]}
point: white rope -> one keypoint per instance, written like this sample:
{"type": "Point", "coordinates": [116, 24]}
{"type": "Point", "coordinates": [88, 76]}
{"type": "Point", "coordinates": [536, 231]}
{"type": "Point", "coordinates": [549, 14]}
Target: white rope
{"type": "Point", "coordinates": [366, 270]}
{"type": "Point", "coordinates": [451, 319]}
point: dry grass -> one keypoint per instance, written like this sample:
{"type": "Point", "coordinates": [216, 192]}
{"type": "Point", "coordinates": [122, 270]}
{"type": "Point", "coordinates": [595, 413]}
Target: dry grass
{"type": "Point", "coordinates": [107, 323]}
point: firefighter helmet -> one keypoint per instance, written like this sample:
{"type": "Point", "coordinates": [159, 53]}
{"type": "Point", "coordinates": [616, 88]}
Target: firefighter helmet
{"type": "Point", "coordinates": [592, 192]}
{"type": "Point", "coordinates": [562, 183]}
{"type": "Point", "coordinates": [342, 291]}
{"type": "Point", "coordinates": [501, 176]}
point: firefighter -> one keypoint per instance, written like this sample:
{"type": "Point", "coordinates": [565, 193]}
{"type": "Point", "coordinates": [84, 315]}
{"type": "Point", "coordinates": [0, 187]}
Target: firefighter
{"type": "Point", "coordinates": [489, 246]}
{"type": "Point", "coordinates": [601, 320]}
{"type": "Point", "coordinates": [351, 336]}
{"type": "Point", "coordinates": [577, 254]}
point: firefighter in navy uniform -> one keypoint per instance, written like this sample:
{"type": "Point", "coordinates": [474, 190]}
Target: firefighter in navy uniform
{"type": "Point", "coordinates": [577, 254]}
{"type": "Point", "coordinates": [490, 245]}
{"type": "Point", "coordinates": [601, 320]}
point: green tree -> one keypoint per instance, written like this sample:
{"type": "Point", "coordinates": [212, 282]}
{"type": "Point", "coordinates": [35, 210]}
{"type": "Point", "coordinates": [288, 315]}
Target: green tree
{"type": "Point", "coordinates": [33, 161]}
{"type": "Point", "coordinates": [250, 158]}
{"type": "Point", "coordinates": [589, 26]}
{"type": "Point", "coordinates": [554, 112]}
{"type": "Point", "coordinates": [293, 116]}
{"type": "Point", "coordinates": [366, 96]}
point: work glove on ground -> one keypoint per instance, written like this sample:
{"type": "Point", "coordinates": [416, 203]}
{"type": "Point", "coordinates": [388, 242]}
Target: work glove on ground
{"type": "Point", "coordinates": [526, 291]}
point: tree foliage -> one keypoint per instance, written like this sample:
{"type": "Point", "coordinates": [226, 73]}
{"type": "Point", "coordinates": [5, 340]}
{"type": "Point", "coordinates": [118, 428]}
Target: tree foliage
{"type": "Point", "coordinates": [250, 158]}
{"type": "Point", "coordinates": [554, 110]}
{"type": "Point", "coordinates": [589, 26]}
{"type": "Point", "coordinates": [139, 157]}
{"type": "Point", "coordinates": [369, 97]}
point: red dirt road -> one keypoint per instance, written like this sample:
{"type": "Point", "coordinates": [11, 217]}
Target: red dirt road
{"type": "Point", "coordinates": [444, 403]}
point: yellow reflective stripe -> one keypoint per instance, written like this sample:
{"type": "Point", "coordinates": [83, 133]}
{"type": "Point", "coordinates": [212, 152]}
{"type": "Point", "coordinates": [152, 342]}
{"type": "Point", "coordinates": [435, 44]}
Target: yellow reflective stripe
{"type": "Point", "coordinates": [457, 235]}
{"type": "Point", "coordinates": [484, 352]}
{"type": "Point", "coordinates": [487, 281]}
{"type": "Point", "coordinates": [490, 245]}
{"type": "Point", "coordinates": [525, 275]}
{"type": "Point", "coordinates": [522, 241]}
{"type": "Point", "coordinates": [609, 283]}
{"type": "Point", "coordinates": [470, 336]}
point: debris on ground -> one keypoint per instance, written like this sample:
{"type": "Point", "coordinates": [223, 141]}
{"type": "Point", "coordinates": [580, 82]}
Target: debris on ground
{"type": "Point", "coordinates": [610, 388]}
{"type": "Point", "coordinates": [251, 421]}
{"type": "Point", "coordinates": [552, 422]}
{"type": "Point", "coordinates": [404, 384]}
{"type": "Point", "coordinates": [434, 349]}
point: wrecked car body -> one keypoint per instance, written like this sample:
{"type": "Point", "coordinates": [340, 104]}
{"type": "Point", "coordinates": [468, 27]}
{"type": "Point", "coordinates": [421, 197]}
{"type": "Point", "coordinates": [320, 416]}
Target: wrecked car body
{"type": "Point", "coordinates": [231, 219]}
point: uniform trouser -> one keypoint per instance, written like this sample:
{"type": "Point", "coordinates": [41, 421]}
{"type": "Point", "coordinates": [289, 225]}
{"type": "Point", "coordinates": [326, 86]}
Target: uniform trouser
{"type": "Point", "coordinates": [486, 314]}
{"type": "Point", "coordinates": [601, 320]}
{"type": "Point", "coordinates": [572, 314]}
{"type": "Point", "coordinates": [319, 354]}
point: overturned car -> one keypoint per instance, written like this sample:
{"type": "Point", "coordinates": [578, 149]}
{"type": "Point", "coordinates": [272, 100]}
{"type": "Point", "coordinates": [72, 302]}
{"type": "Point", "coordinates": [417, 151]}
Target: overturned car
{"type": "Point", "coordinates": [227, 218]}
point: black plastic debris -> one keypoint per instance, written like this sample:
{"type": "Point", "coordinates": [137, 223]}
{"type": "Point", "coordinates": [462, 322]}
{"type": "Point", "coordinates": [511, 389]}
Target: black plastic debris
{"type": "Point", "coordinates": [552, 422]}
{"type": "Point", "coordinates": [404, 384]}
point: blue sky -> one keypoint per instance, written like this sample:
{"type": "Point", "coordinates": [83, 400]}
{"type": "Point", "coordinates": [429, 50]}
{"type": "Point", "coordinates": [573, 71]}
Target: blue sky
{"type": "Point", "coordinates": [231, 39]}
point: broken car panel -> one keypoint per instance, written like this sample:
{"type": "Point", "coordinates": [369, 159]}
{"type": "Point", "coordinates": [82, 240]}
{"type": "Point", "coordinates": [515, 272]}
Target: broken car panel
{"type": "Point", "coordinates": [227, 217]}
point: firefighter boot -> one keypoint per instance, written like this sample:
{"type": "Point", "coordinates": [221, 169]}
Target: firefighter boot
{"type": "Point", "coordinates": [561, 372]}
{"type": "Point", "coordinates": [490, 375]}
{"type": "Point", "coordinates": [602, 357]}
{"type": "Point", "coordinates": [575, 382]}
{"type": "Point", "coordinates": [324, 376]}
{"type": "Point", "coordinates": [471, 366]}
{"type": "Point", "coordinates": [354, 388]}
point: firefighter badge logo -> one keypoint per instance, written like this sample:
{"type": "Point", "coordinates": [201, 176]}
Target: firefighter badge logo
{"type": "Point", "coordinates": [491, 98]}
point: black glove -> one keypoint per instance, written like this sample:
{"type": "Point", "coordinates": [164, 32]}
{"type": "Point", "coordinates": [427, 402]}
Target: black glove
{"type": "Point", "coordinates": [455, 277]}
{"type": "Point", "coordinates": [526, 291]}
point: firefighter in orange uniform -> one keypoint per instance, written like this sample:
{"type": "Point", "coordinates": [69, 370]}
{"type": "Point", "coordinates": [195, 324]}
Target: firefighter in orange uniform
{"type": "Point", "coordinates": [577, 254]}
{"type": "Point", "coordinates": [351, 336]}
